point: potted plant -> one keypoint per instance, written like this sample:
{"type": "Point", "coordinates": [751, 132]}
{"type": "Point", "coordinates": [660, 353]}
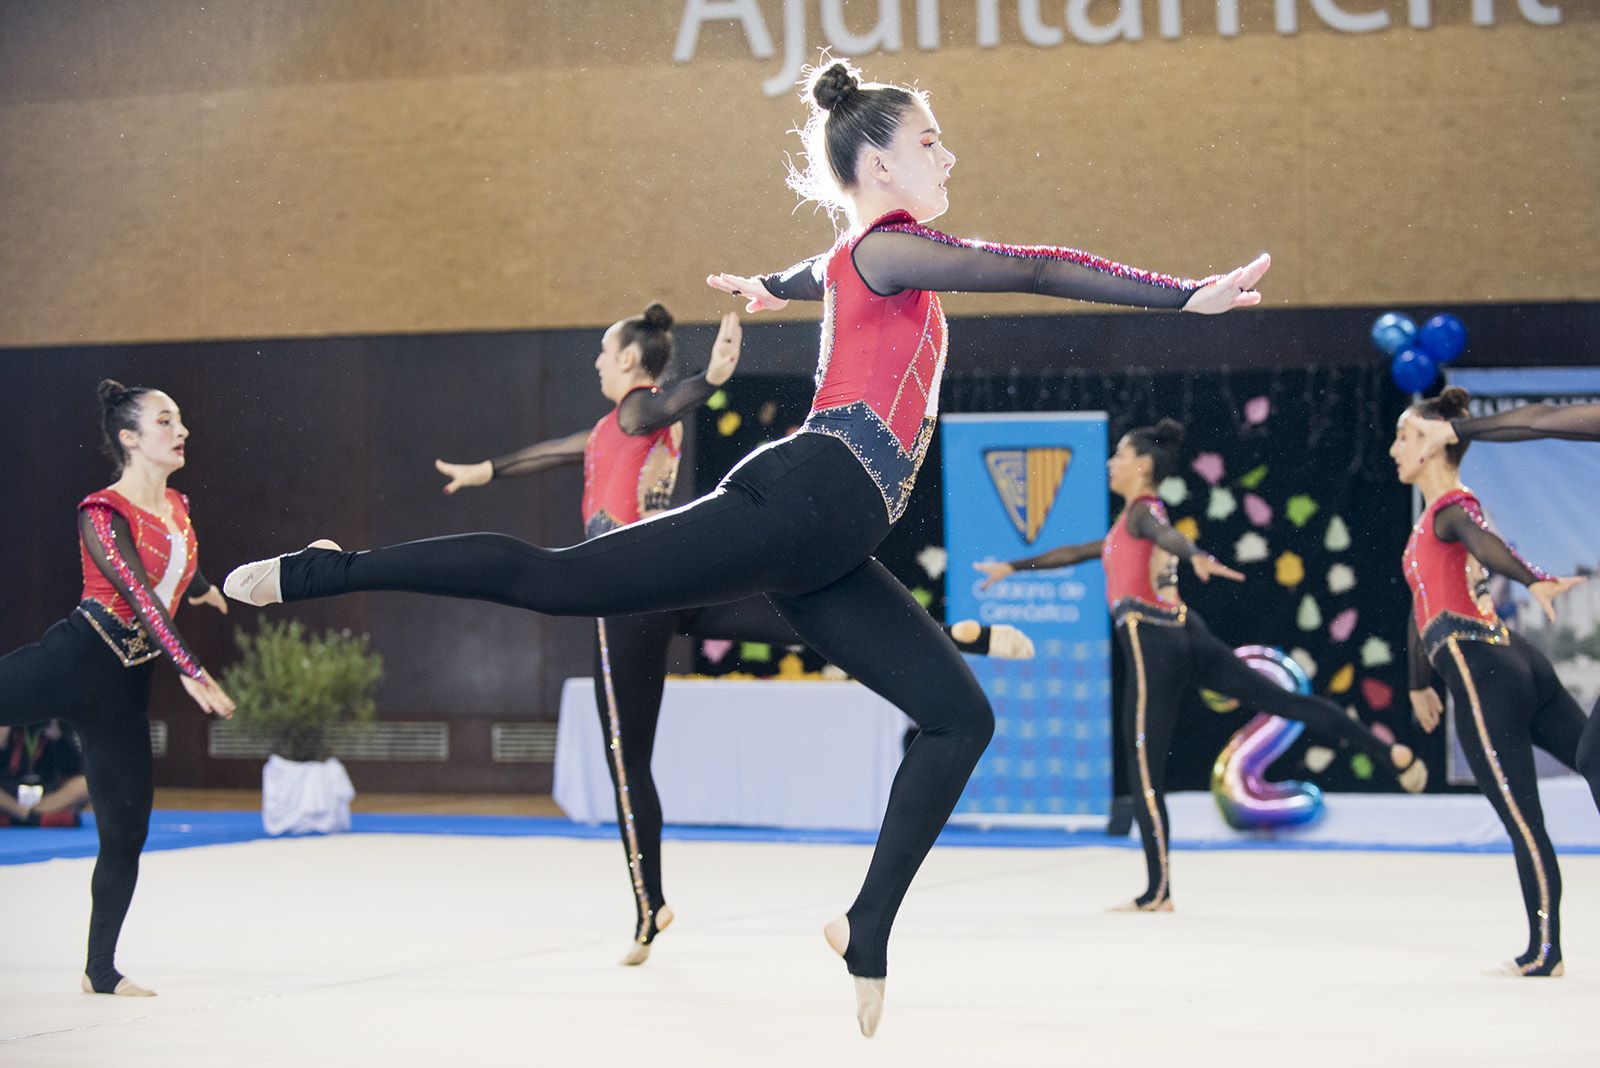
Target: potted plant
{"type": "Point", "coordinates": [293, 690]}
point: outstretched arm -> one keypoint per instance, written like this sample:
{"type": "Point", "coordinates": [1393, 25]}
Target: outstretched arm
{"type": "Point", "coordinates": [1574, 422]}
{"type": "Point", "coordinates": [1149, 521]}
{"type": "Point", "coordinates": [535, 458]}
{"type": "Point", "coordinates": [769, 292]}
{"type": "Point", "coordinates": [1465, 523]}
{"type": "Point", "coordinates": [1064, 556]}
{"type": "Point", "coordinates": [645, 411]}
{"type": "Point", "coordinates": [803, 281]}
{"type": "Point", "coordinates": [903, 256]}
{"type": "Point", "coordinates": [1531, 422]}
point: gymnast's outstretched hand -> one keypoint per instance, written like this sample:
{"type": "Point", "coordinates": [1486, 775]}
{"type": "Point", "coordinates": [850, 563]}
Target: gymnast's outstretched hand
{"type": "Point", "coordinates": [755, 293]}
{"type": "Point", "coordinates": [1236, 289]}
{"type": "Point", "coordinates": [994, 571]}
{"type": "Point", "coordinates": [463, 475]}
{"type": "Point", "coordinates": [1547, 591]}
{"type": "Point", "coordinates": [1208, 566]}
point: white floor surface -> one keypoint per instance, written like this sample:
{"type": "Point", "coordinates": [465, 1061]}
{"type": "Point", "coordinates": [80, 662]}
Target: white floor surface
{"type": "Point", "coordinates": [424, 950]}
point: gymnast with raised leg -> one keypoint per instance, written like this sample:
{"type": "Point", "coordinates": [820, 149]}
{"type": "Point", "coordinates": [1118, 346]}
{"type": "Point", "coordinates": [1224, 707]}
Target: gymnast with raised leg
{"type": "Point", "coordinates": [1506, 690]}
{"type": "Point", "coordinates": [798, 519]}
{"type": "Point", "coordinates": [1169, 649]}
{"type": "Point", "coordinates": [630, 468]}
{"type": "Point", "coordinates": [93, 669]}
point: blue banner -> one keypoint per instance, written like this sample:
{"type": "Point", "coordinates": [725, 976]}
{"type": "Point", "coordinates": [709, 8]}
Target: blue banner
{"type": "Point", "coordinates": [1014, 486]}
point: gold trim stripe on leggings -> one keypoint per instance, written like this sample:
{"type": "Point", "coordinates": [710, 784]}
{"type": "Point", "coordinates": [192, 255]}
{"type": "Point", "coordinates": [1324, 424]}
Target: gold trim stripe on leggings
{"type": "Point", "coordinates": [624, 802]}
{"type": "Point", "coordinates": [1132, 623]}
{"type": "Point", "coordinates": [1511, 806]}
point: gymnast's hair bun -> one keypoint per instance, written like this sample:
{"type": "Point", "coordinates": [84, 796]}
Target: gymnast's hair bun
{"type": "Point", "coordinates": [1169, 433]}
{"type": "Point", "coordinates": [1452, 402]}
{"type": "Point", "coordinates": [833, 85]}
{"type": "Point", "coordinates": [656, 318]}
{"type": "Point", "coordinates": [111, 392]}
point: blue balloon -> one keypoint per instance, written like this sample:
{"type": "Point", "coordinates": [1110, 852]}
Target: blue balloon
{"type": "Point", "coordinates": [1442, 337]}
{"type": "Point", "coordinates": [1413, 370]}
{"type": "Point", "coordinates": [1392, 332]}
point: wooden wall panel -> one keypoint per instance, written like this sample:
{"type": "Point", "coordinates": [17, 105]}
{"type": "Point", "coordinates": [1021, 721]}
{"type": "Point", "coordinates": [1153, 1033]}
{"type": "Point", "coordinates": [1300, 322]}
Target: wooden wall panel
{"type": "Point", "coordinates": [282, 169]}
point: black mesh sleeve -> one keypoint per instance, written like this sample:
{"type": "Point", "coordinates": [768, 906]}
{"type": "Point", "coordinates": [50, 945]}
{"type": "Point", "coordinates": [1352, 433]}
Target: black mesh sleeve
{"type": "Point", "coordinates": [1419, 672]}
{"type": "Point", "coordinates": [803, 281]}
{"type": "Point", "coordinates": [905, 256]}
{"type": "Point", "coordinates": [541, 457]}
{"type": "Point", "coordinates": [110, 543]}
{"type": "Point", "coordinates": [1064, 556]}
{"type": "Point", "coordinates": [199, 585]}
{"type": "Point", "coordinates": [1150, 524]}
{"type": "Point", "coordinates": [645, 411]}
{"type": "Point", "coordinates": [1574, 422]}
{"type": "Point", "coordinates": [1459, 522]}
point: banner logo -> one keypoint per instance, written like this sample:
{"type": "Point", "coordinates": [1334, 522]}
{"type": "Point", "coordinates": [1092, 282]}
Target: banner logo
{"type": "Point", "coordinates": [1028, 481]}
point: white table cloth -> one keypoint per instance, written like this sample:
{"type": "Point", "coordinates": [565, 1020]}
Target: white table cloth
{"type": "Point", "coordinates": [768, 753]}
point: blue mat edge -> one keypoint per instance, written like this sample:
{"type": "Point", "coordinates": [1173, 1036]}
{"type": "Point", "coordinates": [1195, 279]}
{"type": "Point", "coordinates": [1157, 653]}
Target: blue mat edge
{"type": "Point", "coordinates": [181, 829]}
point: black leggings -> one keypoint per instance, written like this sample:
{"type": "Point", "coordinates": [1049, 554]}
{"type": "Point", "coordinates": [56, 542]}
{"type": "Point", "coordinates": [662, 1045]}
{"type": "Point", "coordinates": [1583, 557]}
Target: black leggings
{"type": "Point", "coordinates": [630, 672]}
{"type": "Point", "coordinates": [72, 674]}
{"type": "Point", "coordinates": [1167, 660]}
{"type": "Point", "coordinates": [798, 521]}
{"type": "Point", "coordinates": [1508, 700]}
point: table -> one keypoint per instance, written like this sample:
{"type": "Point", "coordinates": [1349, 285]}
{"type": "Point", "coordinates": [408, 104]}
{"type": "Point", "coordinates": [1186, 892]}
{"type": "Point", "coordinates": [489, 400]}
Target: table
{"type": "Point", "coordinates": [767, 753]}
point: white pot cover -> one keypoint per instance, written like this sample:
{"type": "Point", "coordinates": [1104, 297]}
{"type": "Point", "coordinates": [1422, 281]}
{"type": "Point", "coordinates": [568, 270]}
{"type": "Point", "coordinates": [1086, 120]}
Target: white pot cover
{"type": "Point", "coordinates": [305, 796]}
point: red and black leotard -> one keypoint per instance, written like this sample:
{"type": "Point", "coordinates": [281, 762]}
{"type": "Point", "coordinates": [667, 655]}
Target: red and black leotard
{"type": "Point", "coordinates": [630, 457]}
{"type": "Point", "coordinates": [1435, 564]}
{"type": "Point", "coordinates": [1126, 553]}
{"type": "Point", "coordinates": [883, 332]}
{"type": "Point", "coordinates": [627, 476]}
{"type": "Point", "coordinates": [879, 371]}
{"type": "Point", "coordinates": [134, 571]}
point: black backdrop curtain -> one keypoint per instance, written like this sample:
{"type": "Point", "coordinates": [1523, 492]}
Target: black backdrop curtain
{"type": "Point", "coordinates": [1286, 475]}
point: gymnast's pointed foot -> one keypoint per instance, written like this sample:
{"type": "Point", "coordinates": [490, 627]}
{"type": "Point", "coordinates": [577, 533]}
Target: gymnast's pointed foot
{"type": "Point", "coordinates": [125, 988]}
{"type": "Point", "coordinates": [259, 583]}
{"type": "Point", "coordinates": [869, 991]}
{"type": "Point", "coordinates": [1008, 643]}
{"type": "Point", "coordinates": [1140, 904]}
{"type": "Point", "coordinates": [1409, 769]}
{"type": "Point", "coordinates": [639, 952]}
{"type": "Point", "coordinates": [1520, 969]}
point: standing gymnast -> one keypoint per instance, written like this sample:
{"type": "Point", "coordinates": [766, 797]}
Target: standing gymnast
{"type": "Point", "coordinates": [93, 668]}
{"type": "Point", "coordinates": [1508, 693]}
{"type": "Point", "coordinates": [798, 519]}
{"type": "Point", "coordinates": [1169, 649]}
{"type": "Point", "coordinates": [630, 467]}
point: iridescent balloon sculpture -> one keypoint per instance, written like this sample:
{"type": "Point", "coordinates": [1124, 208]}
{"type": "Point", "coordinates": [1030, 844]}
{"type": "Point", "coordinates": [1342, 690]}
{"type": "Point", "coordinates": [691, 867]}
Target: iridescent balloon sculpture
{"type": "Point", "coordinates": [1239, 777]}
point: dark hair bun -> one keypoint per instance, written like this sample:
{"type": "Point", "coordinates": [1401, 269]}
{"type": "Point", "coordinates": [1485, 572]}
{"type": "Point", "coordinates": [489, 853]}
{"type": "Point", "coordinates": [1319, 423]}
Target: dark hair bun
{"type": "Point", "coordinates": [1453, 401]}
{"type": "Point", "coordinates": [834, 85]}
{"type": "Point", "coordinates": [1169, 432]}
{"type": "Point", "coordinates": [110, 392]}
{"type": "Point", "coordinates": [656, 318]}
